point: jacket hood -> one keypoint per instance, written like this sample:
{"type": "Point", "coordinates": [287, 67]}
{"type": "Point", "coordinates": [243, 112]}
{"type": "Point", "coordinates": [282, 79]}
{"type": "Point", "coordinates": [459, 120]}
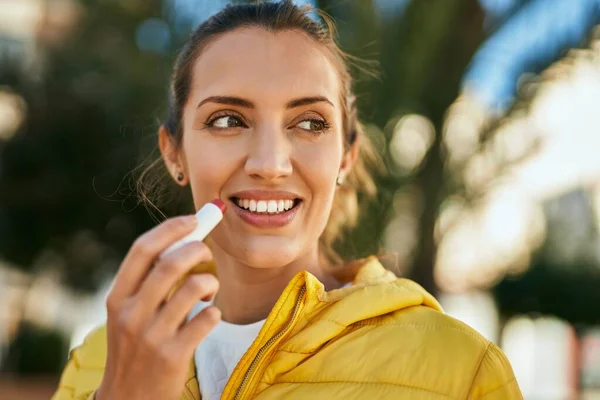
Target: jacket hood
{"type": "Point", "coordinates": [375, 292]}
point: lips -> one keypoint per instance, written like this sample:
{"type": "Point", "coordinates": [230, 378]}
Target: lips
{"type": "Point", "coordinates": [266, 209]}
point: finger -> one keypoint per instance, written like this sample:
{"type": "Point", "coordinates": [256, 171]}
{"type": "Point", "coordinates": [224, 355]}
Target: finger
{"type": "Point", "coordinates": [165, 274]}
{"type": "Point", "coordinates": [197, 329]}
{"type": "Point", "coordinates": [144, 252]}
{"type": "Point", "coordinates": [175, 311]}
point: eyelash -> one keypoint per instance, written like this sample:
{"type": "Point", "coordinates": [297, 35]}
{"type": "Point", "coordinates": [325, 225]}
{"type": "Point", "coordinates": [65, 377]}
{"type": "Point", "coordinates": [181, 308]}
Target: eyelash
{"type": "Point", "coordinates": [325, 124]}
{"type": "Point", "coordinates": [210, 123]}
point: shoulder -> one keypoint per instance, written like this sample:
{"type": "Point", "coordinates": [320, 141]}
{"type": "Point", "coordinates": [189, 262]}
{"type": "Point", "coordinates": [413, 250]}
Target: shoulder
{"type": "Point", "coordinates": [432, 326]}
{"type": "Point", "coordinates": [85, 367]}
{"type": "Point", "coordinates": [415, 352]}
{"type": "Point", "coordinates": [411, 344]}
{"type": "Point", "coordinates": [441, 354]}
{"type": "Point", "coordinates": [92, 352]}
{"type": "Point", "coordinates": [429, 333]}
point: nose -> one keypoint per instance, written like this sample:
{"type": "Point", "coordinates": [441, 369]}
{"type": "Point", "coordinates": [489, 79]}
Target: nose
{"type": "Point", "coordinates": [269, 155]}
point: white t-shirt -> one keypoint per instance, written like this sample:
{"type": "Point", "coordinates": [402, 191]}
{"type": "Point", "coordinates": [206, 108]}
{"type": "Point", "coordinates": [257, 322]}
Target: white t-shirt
{"type": "Point", "coordinates": [219, 353]}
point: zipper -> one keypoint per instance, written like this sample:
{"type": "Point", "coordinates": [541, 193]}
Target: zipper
{"type": "Point", "coordinates": [269, 343]}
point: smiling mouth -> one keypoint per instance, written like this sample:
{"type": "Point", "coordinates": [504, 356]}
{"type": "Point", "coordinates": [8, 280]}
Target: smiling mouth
{"type": "Point", "coordinates": [266, 207]}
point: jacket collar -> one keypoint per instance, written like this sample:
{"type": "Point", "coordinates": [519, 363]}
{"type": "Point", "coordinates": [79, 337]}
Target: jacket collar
{"type": "Point", "coordinates": [386, 293]}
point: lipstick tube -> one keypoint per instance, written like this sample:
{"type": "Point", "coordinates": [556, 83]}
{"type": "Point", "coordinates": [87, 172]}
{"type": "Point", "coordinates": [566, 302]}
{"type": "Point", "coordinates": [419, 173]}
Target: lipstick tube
{"type": "Point", "coordinates": [208, 217]}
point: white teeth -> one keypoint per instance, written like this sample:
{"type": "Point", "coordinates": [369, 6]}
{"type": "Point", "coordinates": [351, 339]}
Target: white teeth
{"type": "Point", "coordinates": [265, 206]}
{"type": "Point", "coordinates": [261, 206]}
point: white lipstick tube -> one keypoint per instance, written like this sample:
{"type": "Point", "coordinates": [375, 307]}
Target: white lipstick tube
{"type": "Point", "coordinates": [208, 217]}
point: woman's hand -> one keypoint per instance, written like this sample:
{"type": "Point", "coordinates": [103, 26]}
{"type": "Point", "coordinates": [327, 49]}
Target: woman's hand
{"type": "Point", "coordinates": [149, 344]}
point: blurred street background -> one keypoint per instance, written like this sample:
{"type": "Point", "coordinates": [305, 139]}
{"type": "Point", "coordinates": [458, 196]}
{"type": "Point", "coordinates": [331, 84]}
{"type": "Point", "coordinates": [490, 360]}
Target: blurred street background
{"type": "Point", "coordinates": [486, 113]}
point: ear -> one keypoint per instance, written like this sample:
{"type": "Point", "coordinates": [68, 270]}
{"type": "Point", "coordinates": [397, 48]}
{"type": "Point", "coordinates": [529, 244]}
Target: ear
{"type": "Point", "coordinates": [348, 160]}
{"type": "Point", "coordinates": [172, 156]}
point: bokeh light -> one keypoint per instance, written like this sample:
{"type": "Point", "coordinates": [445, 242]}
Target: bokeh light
{"type": "Point", "coordinates": [12, 113]}
{"type": "Point", "coordinates": [412, 137]}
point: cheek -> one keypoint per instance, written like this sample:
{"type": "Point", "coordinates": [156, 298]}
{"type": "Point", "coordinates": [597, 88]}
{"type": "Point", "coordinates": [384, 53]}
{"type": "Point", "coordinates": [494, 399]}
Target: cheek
{"type": "Point", "coordinates": [210, 164]}
{"type": "Point", "coordinates": [319, 166]}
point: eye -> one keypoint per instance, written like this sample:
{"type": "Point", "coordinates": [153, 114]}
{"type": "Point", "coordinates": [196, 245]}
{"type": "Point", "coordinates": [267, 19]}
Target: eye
{"type": "Point", "coordinates": [225, 121]}
{"type": "Point", "coordinates": [314, 125]}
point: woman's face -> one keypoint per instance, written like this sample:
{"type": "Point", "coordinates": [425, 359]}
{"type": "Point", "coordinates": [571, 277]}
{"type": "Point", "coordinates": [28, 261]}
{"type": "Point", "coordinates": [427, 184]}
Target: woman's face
{"type": "Point", "coordinates": [263, 132]}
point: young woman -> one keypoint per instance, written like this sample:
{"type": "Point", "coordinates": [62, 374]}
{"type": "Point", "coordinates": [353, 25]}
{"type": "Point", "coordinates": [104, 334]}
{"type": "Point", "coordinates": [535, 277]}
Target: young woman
{"type": "Point", "coordinates": [262, 116]}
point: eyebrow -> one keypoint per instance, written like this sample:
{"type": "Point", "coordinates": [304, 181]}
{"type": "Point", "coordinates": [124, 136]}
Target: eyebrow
{"type": "Point", "coordinates": [237, 101]}
{"type": "Point", "coordinates": [227, 100]}
{"type": "Point", "coordinates": [308, 100]}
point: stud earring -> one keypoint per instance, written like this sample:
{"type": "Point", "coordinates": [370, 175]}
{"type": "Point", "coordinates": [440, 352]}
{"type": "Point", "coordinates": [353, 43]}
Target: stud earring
{"type": "Point", "coordinates": [180, 177]}
{"type": "Point", "coordinates": [340, 180]}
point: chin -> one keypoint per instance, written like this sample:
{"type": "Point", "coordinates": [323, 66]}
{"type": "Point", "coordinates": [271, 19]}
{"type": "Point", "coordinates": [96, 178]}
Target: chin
{"type": "Point", "coordinates": [267, 251]}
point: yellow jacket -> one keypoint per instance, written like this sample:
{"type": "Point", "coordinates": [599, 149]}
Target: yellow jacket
{"type": "Point", "coordinates": [382, 338]}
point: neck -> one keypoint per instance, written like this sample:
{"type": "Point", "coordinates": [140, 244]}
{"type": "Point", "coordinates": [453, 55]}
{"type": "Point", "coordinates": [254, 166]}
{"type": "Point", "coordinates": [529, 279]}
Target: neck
{"type": "Point", "coordinates": [247, 294]}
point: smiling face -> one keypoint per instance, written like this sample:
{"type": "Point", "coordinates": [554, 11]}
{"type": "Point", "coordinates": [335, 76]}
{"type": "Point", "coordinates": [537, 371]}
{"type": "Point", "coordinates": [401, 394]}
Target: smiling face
{"type": "Point", "coordinates": [262, 130]}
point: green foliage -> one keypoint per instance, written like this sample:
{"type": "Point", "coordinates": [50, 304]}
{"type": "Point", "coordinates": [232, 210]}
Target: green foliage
{"type": "Point", "coordinates": [63, 174]}
{"type": "Point", "coordinates": [24, 352]}
{"type": "Point", "coordinates": [423, 53]}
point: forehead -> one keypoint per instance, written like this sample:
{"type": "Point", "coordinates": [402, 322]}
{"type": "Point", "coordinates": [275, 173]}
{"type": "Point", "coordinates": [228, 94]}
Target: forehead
{"type": "Point", "coordinates": [265, 66]}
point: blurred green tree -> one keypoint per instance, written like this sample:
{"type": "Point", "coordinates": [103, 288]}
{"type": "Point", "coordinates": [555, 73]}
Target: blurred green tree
{"type": "Point", "coordinates": [91, 99]}
{"type": "Point", "coordinates": [62, 175]}
{"type": "Point", "coordinates": [24, 352]}
{"type": "Point", "coordinates": [423, 52]}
